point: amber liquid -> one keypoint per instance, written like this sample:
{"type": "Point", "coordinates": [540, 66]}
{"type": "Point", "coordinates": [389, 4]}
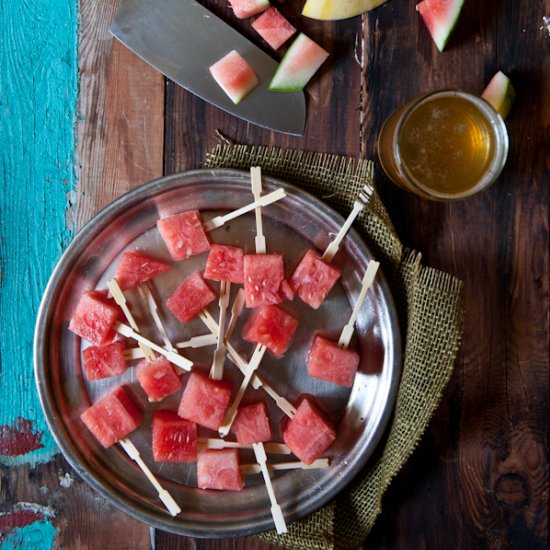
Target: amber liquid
{"type": "Point", "coordinates": [446, 145]}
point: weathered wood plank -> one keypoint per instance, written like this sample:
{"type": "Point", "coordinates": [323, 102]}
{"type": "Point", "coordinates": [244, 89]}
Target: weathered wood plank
{"type": "Point", "coordinates": [121, 126]}
{"type": "Point", "coordinates": [478, 478]}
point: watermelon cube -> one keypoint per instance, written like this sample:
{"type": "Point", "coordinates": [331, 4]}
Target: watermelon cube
{"type": "Point", "coordinates": [205, 401]}
{"type": "Point", "coordinates": [113, 417]}
{"type": "Point", "coordinates": [174, 438]}
{"type": "Point", "coordinates": [183, 234]}
{"type": "Point", "coordinates": [105, 361]}
{"type": "Point", "coordinates": [225, 263]}
{"type": "Point", "coordinates": [158, 378]}
{"type": "Point", "coordinates": [264, 280]}
{"type": "Point", "coordinates": [248, 8]}
{"type": "Point", "coordinates": [329, 362]}
{"type": "Point", "coordinates": [313, 279]}
{"type": "Point", "coordinates": [235, 76]}
{"type": "Point", "coordinates": [219, 469]}
{"type": "Point", "coordinates": [135, 268]}
{"type": "Point", "coordinates": [252, 424]}
{"type": "Point", "coordinates": [191, 297]}
{"type": "Point", "coordinates": [271, 327]}
{"type": "Point", "coordinates": [273, 28]}
{"type": "Point", "coordinates": [94, 318]}
{"type": "Point", "coordinates": [299, 64]}
{"type": "Point", "coordinates": [309, 432]}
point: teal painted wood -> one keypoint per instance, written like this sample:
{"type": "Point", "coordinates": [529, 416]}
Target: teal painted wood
{"type": "Point", "coordinates": [38, 91]}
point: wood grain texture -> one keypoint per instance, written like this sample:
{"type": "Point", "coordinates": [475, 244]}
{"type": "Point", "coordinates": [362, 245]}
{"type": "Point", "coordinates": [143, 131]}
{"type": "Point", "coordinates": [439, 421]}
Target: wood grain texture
{"type": "Point", "coordinates": [479, 479]}
{"type": "Point", "coordinates": [121, 108]}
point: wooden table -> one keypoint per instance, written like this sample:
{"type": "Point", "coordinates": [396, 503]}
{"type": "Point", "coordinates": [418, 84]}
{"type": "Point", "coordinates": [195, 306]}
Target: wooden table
{"type": "Point", "coordinates": [479, 478]}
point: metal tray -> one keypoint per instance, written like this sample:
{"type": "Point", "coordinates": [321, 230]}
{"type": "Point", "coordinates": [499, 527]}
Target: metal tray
{"type": "Point", "coordinates": [291, 225]}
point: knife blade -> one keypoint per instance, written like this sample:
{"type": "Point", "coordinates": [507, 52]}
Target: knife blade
{"type": "Point", "coordinates": [182, 39]}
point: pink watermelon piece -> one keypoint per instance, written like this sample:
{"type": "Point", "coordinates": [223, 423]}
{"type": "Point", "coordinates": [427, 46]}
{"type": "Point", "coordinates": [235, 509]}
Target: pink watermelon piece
{"type": "Point", "coordinates": [192, 296]}
{"type": "Point", "coordinates": [158, 378]}
{"type": "Point", "coordinates": [313, 279]}
{"type": "Point", "coordinates": [205, 401]}
{"type": "Point", "coordinates": [309, 432]}
{"type": "Point", "coordinates": [183, 234]}
{"type": "Point", "coordinates": [441, 17]}
{"type": "Point", "coordinates": [94, 318]}
{"type": "Point", "coordinates": [235, 76]}
{"type": "Point", "coordinates": [174, 438]}
{"type": "Point", "coordinates": [273, 28]}
{"type": "Point", "coordinates": [113, 417]}
{"type": "Point", "coordinates": [248, 8]}
{"type": "Point", "coordinates": [301, 61]}
{"type": "Point", "coordinates": [225, 263]}
{"type": "Point", "coordinates": [104, 361]}
{"type": "Point", "coordinates": [271, 327]}
{"type": "Point", "coordinates": [135, 268]}
{"type": "Point", "coordinates": [329, 362]}
{"type": "Point", "coordinates": [219, 469]}
{"type": "Point", "coordinates": [264, 280]}
{"type": "Point", "coordinates": [252, 424]}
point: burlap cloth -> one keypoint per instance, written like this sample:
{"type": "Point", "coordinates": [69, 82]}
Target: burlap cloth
{"type": "Point", "coordinates": [430, 306]}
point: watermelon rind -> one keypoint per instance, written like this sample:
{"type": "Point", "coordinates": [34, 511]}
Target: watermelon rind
{"type": "Point", "coordinates": [500, 94]}
{"type": "Point", "coordinates": [441, 17]}
{"type": "Point", "coordinates": [291, 75]}
{"type": "Point", "coordinates": [329, 10]}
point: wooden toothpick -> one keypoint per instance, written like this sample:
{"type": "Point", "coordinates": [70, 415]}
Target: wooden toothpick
{"type": "Point", "coordinates": [120, 299]}
{"type": "Point", "coordinates": [276, 512]}
{"type": "Point", "coordinates": [236, 310]}
{"type": "Point", "coordinates": [256, 183]}
{"type": "Point", "coordinates": [249, 469]}
{"type": "Point", "coordinates": [172, 356]}
{"type": "Point", "coordinates": [216, 371]}
{"type": "Point", "coordinates": [218, 221]}
{"type": "Point", "coordinates": [213, 443]}
{"type": "Point", "coordinates": [202, 341]}
{"type": "Point", "coordinates": [164, 495]}
{"type": "Point", "coordinates": [368, 278]}
{"type": "Point", "coordinates": [150, 303]}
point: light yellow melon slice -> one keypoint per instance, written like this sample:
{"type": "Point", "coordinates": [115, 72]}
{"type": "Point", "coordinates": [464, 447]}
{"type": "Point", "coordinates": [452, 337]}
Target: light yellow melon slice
{"type": "Point", "coordinates": [330, 10]}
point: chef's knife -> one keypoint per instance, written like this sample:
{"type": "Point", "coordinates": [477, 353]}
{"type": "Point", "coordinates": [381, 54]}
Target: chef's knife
{"type": "Point", "coordinates": [182, 39]}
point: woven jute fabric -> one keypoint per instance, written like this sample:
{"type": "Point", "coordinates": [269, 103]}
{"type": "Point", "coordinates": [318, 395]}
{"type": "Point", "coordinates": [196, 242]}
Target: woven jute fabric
{"type": "Point", "coordinates": [430, 309]}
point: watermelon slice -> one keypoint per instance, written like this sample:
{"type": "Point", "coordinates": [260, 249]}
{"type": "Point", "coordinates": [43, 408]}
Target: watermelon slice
{"type": "Point", "coordinates": [204, 401]}
{"type": "Point", "coordinates": [273, 28]}
{"type": "Point", "coordinates": [271, 327]}
{"type": "Point", "coordinates": [264, 280]}
{"type": "Point", "coordinates": [183, 234]}
{"type": "Point", "coordinates": [300, 63]}
{"type": "Point", "coordinates": [500, 94]}
{"type": "Point", "coordinates": [309, 432]}
{"type": "Point", "coordinates": [225, 263]}
{"type": "Point", "coordinates": [105, 361]}
{"type": "Point", "coordinates": [329, 10]}
{"type": "Point", "coordinates": [440, 17]}
{"type": "Point", "coordinates": [94, 318]}
{"type": "Point", "coordinates": [252, 425]}
{"type": "Point", "coordinates": [248, 8]}
{"type": "Point", "coordinates": [158, 379]}
{"type": "Point", "coordinates": [174, 438]}
{"type": "Point", "coordinates": [192, 296]}
{"type": "Point", "coordinates": [219, 469]}
{"type": "Point", "coordinates": [313, 279]}
{"type": "Point", "coordinates": [113, 417]}
{"type": "Point", "coordinates": [235, 76]}
{"type": "Point", "coordinates": [329, 362]}
{"type": "Point", "coordinates": [135, 268]}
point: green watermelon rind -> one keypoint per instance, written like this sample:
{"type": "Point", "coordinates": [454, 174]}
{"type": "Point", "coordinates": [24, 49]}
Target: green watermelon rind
{"type": "Point", "coordinates": [500, 94]}
{"type": "Point", "coordinates": [281, 84]}
{"type": "Point", "coordinates": [445, 29]}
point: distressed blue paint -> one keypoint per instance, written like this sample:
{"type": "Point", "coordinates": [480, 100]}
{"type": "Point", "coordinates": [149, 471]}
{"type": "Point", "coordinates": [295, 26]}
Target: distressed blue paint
{"type": "Point", "coordinates": [39, 535]}
{"type": "Point", "coordinates": [38, 89]}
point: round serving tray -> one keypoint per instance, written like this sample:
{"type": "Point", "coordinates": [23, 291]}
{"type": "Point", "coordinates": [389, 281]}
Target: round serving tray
{"type": "Point", "coordinates": [292, 225]}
